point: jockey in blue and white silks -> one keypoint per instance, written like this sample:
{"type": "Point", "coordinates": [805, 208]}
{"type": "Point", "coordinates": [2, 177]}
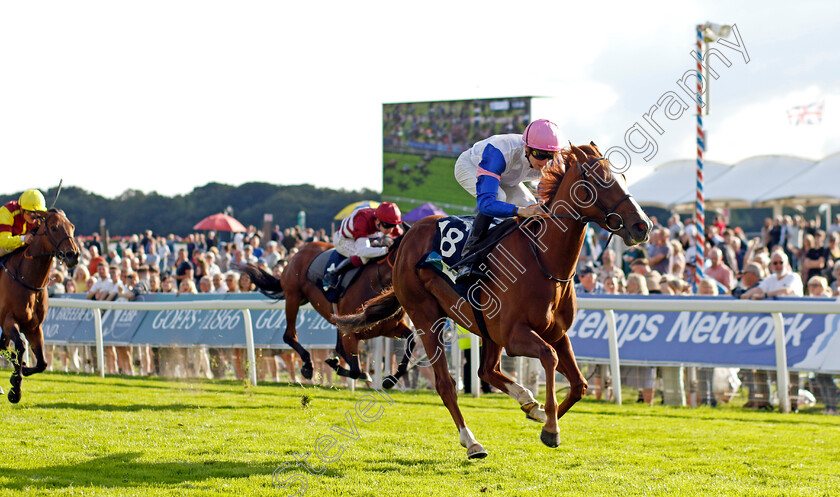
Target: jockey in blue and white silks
{"type": "Point", "coordinates": [494, 171]}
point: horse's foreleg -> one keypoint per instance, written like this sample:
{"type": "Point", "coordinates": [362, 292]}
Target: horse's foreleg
{"type": "Point", "coordinates": [290, 337]}
{"type": "Point", "coordinates": [524, 341]}
{"type": "Point", "coordinates": [36, 347]}
{"type": "Point", "coordinates": [489, 370]}
{"type": "Point", "coordinates": [567, 365]}
{"type": "Point", "coordinates": [11, 330]}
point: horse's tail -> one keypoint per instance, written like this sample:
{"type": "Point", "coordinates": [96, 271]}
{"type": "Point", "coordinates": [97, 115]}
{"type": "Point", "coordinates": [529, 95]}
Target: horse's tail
{"type": "Point", "coordinates": [267, 284]}
{"type": "Point", "coordinates": [381, 308]}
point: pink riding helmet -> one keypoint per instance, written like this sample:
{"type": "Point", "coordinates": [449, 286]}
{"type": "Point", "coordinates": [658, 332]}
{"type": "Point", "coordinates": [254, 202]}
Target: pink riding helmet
{"type": "Point", "coordinates": [542, 134]}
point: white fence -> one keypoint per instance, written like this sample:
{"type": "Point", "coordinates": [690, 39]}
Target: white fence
{"type": "Point", "coordinates": [773, 307]}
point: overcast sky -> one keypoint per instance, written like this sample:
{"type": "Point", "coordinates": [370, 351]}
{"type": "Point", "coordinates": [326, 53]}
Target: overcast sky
{"type": "Point", "coordinates": [169, 95]}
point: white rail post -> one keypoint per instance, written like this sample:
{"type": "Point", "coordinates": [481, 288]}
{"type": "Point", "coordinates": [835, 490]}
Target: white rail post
{"type": "Point", "coordinates": [376, 363]}
{"type": "Point", "coordinates": [249, 344]}
{"type": "Point", "coordinates": [782, 385]}
{"type": "Point", "coordinates": [474, 359]}
{"type": "Point", "coordinates": [615, 369]}
{"type": "Point", "coordinates": [100, 346]}
{"type": "Point", "coordinates": [386, 367]}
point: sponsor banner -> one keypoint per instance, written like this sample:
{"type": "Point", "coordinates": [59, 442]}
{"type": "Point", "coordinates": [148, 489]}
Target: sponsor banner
{"type": "Point", "coordinates": [718, 338]}
{"type": "Point", "coordinates": [184, 327]}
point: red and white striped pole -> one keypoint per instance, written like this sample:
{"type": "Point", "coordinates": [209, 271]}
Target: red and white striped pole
{"type": "Point", "coordinates": [699, 208]}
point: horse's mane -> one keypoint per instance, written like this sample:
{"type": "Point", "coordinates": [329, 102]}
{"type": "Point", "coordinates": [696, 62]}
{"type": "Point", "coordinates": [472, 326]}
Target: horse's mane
{"type": "Point", "coordinates": [552, 176]}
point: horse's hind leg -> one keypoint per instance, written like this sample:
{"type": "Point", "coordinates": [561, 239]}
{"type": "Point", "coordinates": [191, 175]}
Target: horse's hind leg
{"type": "Point", "coordinates": [36, 347]}
{"type": "Point", "coordinates": [348, 347]}
{"type": "Point", "coordinates": [402, 368]}
{"type": "Point", "coordinates": [290, 337]}
{"type": "Point", "coordinates": [567, 365]}
{"type": "Point", "coordinates": [431, 331]}
{"type": "Point", "coordinates": [489, 371]}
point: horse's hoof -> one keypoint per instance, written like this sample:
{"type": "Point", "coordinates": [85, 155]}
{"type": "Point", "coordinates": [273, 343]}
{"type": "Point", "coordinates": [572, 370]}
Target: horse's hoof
{"type": "Point", "coordinates": [476, 451]}
{"type": "Point", "coordinates": [365, 377]}
{"type": "Point", "coordinates": [389, 382]}
{"type": "Point", "coordinates": [14, 396]}
{"type": "Point", "coordinates": [550, 439]}
{"type": "Point", "coordinates": [15, 380]}
{"type": "Point", "coordinates": [306, 371]}
{"type": "Point", "coordinates": [332, 362]}
{"type": "Point", "coordinates": [535, 412]}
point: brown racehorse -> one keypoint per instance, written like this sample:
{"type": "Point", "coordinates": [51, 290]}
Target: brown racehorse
{"type": "Point", "coordinates": [528, 299]}
{"type": "Point", "coordinates": [23, 293]}
{"type": "Point", "coordinates": [297, 290]}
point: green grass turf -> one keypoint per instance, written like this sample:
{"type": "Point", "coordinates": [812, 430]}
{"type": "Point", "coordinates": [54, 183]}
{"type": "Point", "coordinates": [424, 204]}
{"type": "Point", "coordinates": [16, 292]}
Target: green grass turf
{"type": "Point", "coordinates": [82, 435]}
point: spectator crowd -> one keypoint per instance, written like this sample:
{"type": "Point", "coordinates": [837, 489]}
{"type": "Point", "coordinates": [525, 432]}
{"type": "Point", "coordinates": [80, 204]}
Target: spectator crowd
{"type": "Point", "coordinates": [791, 256]}
{"type": "Point", "coordinates": [125, 268]}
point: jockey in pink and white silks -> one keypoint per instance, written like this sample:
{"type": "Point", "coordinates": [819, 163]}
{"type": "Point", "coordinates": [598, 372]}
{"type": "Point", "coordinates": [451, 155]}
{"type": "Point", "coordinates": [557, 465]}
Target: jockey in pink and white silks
{"type": "Point", "coordinates": [352, 239]}
{"type": "Point", "coordinates": [494, 171]}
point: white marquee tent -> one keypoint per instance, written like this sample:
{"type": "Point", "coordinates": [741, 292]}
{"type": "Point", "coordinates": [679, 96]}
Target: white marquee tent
{"type": "Point", "coordinates": [771, 180]}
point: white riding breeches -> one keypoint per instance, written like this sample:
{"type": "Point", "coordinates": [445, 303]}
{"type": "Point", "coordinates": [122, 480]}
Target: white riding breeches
{"type": "Point", "coordinates": [359, 247]}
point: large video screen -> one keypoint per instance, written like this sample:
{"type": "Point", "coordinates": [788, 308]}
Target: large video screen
{"type": "Point", "coordinates": [422, 140]}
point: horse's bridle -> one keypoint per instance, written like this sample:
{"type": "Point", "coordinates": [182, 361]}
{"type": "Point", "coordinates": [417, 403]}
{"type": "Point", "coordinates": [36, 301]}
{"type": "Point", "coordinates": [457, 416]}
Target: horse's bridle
{"type": "Point", "coordinates": [607, 213]}
{"type": "Point", "coordinates": [46, 233]}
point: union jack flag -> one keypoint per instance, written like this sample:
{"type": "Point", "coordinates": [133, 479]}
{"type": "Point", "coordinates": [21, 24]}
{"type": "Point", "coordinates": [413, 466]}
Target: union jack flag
{"type": "Point", "coordinates": [806, 114]}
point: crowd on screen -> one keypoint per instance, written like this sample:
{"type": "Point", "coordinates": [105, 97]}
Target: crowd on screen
{"type": "Point", "coordinates": [791, 257]}
{"type": "Point", "coordinates": [457, 124]}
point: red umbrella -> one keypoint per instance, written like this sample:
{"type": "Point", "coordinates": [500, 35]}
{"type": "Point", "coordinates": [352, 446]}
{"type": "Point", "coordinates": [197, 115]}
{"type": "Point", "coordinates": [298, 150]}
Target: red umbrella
{"type": "Point", "coordinates": [219, 222]}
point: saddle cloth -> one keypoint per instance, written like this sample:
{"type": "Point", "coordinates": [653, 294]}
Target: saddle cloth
{"type": "Point", "coordinates": [452, 233]}
{"type": "Point", "coordinates": [326, 261]}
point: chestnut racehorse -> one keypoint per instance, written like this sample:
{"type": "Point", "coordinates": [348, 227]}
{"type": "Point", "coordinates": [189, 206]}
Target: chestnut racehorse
{"type": "Point", "coordinates": [297, 290]}
{"type": "Point", "coordinates": [23, 293]}
{"type": "Point", "coordinates": [528, 298]}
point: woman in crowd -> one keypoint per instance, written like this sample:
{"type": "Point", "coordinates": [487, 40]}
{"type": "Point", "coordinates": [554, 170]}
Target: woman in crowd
{"type": "Point", "coordinates": [82, 278]}
{"type": "Point", "coordinates": [245, 284]}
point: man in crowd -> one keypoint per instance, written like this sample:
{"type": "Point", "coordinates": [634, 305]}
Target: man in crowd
{"type": "Point", "coordinates": [719, 271]}
{"type": "Point", "coordinates": [271, 255]}
{"type": "Point", "coordinates": [660, 253]}
{"type": "Point", "coordinates": [750, 278]}
{"type": "Point", "coordinates": [781, 282]}
{"type": "Point", "coordinates": [589, 282]}
{"type": "Point", "coordinates": [183, 267]}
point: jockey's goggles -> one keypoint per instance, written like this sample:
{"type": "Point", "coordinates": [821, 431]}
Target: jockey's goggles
{"type": "Point", "coordinates": [387, 226]}
{"type": "Point", "coordinates": [541, 154]}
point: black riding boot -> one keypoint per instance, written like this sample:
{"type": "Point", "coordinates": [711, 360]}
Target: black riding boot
{"type": "Point", "coordinates": [331, 278]}
{"type": "Point", "coordinates": [470, 269]}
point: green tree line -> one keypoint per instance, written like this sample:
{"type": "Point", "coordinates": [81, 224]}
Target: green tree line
{"type": "Point", "coordinates": [135, 211]}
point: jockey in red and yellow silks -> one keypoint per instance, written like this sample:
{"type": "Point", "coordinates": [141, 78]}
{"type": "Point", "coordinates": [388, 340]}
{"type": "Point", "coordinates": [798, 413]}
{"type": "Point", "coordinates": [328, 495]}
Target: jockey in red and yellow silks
{"type": "Point", "coordinates": [18, 218]}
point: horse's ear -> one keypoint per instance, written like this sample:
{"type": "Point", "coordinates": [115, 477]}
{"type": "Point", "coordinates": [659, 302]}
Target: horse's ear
{"type": "Point", "coordinates": [595, 147]}
{"type": "Point", "coordinates": [579, 154]}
